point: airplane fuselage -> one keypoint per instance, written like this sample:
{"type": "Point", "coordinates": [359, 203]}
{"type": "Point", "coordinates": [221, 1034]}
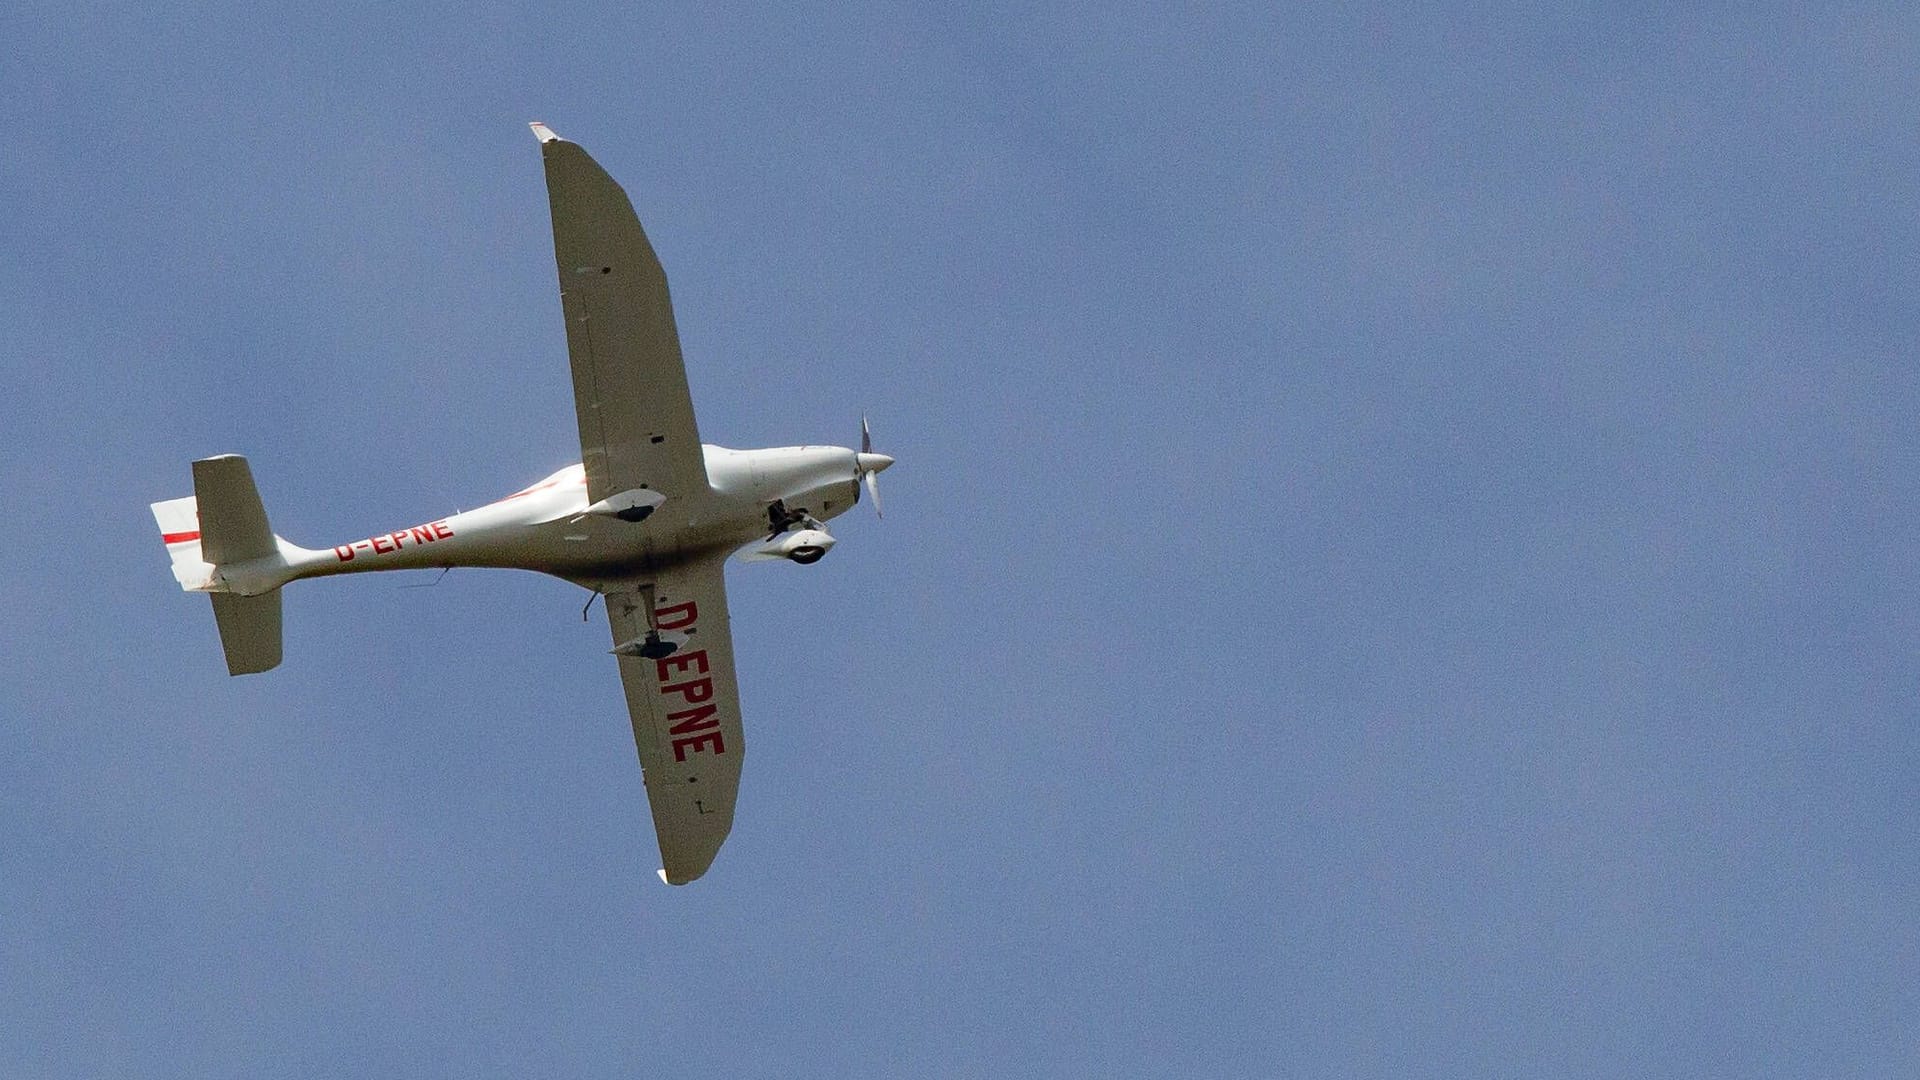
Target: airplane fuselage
{"type": "Point", "coordinates": [546, 527]}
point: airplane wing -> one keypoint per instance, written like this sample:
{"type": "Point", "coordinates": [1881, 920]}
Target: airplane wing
{"type": "Point", "coordinates": [685, 709]}
{"type": "Point", "coordinates": [629, 383]}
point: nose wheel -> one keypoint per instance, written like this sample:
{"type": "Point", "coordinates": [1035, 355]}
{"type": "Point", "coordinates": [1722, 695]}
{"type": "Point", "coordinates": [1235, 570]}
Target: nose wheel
{"type": "Point", "coordinates": [780, 518]}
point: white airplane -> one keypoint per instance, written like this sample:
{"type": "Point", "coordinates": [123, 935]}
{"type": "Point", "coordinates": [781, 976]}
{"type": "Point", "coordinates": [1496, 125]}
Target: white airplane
{"type": "Point", "coordinates": [646, 520]}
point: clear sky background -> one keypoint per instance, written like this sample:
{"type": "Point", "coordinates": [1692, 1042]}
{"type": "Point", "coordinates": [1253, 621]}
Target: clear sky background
{"type": "Point", "coordinates": [1401, 560]}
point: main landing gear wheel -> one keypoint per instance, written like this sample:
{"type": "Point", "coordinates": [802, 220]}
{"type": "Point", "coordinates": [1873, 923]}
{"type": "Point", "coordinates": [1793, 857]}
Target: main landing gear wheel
{"type": "Point", "coordinates": [653, 646]}
{"type": "Point", "coordinates": [655, 649]}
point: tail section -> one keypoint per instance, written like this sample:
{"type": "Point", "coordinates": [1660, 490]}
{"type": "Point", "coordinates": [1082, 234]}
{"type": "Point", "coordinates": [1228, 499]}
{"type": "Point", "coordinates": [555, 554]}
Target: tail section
{"type": "Point", "coordinates": [208, 536]}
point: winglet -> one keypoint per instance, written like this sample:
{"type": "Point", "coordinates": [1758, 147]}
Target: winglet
{"type": "Point", "coordinates": [543, 132]}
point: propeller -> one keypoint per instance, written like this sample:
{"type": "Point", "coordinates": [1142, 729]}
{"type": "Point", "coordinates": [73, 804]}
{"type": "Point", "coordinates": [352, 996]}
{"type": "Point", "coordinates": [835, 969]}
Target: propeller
{"type": "Point", "coordinates": [867, 465]}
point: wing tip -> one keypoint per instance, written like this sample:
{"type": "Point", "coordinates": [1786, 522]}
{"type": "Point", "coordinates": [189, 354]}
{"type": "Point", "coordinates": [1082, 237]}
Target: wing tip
{"type": "Point", "coordinates": [544, 133]}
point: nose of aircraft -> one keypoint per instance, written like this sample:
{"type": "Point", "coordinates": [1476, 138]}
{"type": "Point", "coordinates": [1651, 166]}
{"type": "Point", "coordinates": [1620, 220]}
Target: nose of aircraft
{"type": "Point", "coordinates": [873, 463]}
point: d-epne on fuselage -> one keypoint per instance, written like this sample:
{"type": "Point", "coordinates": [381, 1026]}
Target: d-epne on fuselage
{"type": "Point", "coordinates": [646, 520]}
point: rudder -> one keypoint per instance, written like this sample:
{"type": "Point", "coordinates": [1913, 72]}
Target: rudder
{"type": "Point", "coordinates": [179, 521]}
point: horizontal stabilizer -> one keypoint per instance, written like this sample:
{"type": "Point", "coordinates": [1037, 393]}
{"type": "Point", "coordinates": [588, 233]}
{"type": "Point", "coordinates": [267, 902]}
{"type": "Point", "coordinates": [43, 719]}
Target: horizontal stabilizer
{"type": "Point", "coordinates": [233, 523]}
{"type": "Point", "coordinates": [249, 630]}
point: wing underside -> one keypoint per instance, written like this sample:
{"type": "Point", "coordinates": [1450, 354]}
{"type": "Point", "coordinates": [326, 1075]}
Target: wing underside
{"type": "Point", "coordinates": [685, 708]}
{"type": "Point", "coordinates": [629, 382]}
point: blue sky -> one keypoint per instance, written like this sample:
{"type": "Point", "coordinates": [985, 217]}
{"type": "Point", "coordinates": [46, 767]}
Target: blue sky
{"type": "Point", "coordinates": [1400, 562]}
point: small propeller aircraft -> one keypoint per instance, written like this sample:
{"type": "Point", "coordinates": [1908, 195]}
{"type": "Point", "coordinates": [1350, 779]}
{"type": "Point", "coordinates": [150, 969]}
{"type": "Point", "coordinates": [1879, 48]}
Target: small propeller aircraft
{"type": "Point", "coordinates": [646, 519]}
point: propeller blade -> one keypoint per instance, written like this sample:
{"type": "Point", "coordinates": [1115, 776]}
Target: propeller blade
{"type": "Point", "coordinates": [866, 464]}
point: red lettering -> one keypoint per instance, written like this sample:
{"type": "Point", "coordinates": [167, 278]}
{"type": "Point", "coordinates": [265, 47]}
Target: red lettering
{"type": "Point", "coordinates": [695, 719]}
{"type": "Point", "coordinates": [421, 535]}
{"type": "Point", "coordinates": [684, 613]}
{"type": "Point", "coordinates": [692, 742]}
{"type": "Point", "coordinates": [377, 549]}
{"type": "Point", "coordinates": [440, 530]}
{"type": "Point", "coordinates": [345, 553]}
{"type": "Point", "coordinates": [682, 661]}
{"type": "Point", "coordinates": [397, 538]}
{"type": "Point", "coordinates": [696, 691]}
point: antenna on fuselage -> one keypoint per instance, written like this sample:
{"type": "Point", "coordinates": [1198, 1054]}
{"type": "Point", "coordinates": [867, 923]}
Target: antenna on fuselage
{"type": "Point", "coordinates": [444, 571]}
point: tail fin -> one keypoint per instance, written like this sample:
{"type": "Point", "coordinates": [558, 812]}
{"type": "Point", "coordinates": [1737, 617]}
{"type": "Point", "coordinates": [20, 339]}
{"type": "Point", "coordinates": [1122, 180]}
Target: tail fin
{"type": "Point", "coordinates": [221, 523]}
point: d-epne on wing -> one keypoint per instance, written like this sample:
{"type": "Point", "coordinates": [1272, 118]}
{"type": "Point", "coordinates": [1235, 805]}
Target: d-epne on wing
{"type": "Point", "coordinates": [685, 710]}
{"type": "Point", "coordinates": [646, 520]}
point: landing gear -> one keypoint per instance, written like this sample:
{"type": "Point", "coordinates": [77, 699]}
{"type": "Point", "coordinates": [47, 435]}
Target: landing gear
{"type": "Point", "coordinates": [652, 646]}
{"type": "Point", "coordinates": [780, 519]}
{"type": "Point", "coordinates": [655, 649]}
